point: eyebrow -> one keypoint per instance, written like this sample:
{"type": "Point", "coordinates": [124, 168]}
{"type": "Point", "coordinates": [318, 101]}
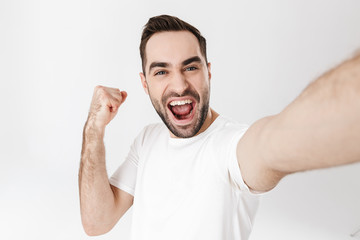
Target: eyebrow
{"type": "Point", "coordinates": [158, 64]}
{"type": "Point", "coordinates": [191, 60]}
{"type": "Point", "coordinates": [165, 64]}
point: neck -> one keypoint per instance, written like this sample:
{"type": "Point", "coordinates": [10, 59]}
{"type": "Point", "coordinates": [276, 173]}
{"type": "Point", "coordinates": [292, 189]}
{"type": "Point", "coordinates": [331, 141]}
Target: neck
{"type": "Point", "coordinates": [210, 118]}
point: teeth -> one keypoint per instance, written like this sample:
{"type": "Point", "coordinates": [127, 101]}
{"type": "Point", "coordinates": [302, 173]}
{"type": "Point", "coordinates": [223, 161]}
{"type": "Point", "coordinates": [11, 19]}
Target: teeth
{"type": "Point", "coordinates": [183, 102]}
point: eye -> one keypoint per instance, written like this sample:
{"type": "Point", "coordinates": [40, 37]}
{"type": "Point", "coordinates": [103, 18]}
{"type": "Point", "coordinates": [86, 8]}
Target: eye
{"type": "Point", "coordinates": [192, 68]}
{"type": "Point", "coordinates": [160, 73]}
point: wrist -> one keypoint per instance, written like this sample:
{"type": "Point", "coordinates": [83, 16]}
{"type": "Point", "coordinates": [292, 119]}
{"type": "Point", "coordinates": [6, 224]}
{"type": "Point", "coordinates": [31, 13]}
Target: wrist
{"type": "Point", "coordinates": [93, 129]}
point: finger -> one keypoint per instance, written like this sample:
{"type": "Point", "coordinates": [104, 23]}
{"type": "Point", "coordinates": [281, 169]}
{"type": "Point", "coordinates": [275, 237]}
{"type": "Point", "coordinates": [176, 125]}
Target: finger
{"type": "Point", "coordinates": [110, 97]}
{"type": "Point", "coordinates": [106, 90]}
{"type": "Point", "coordinates": [120, 96]}
{"type": "Point", "coordinates": [113, 109]}
{"type": "Point", "coordinates": [114, 90]}
{"type": "Point", "coordinates": [114, 102]}
{"type": "Point", "coordinates": [124, 96]}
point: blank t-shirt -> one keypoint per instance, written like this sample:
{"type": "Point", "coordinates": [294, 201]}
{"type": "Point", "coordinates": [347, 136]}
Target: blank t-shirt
{"type": "Point", "coordinates": [188, 188]}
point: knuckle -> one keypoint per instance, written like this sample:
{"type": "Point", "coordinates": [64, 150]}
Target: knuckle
{"type": "Point", "coordinates": [98, 87]}
{"type": "Point", "coordinates": [117, 101]}
{"type": "Point", "coordinates": [102, 91]}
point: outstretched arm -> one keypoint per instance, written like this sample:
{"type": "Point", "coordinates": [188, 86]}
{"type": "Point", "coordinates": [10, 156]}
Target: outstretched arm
{"type": "Point", "coordinates": [320, 129]}
{"type": "Point", "coordinates": [101, 204]}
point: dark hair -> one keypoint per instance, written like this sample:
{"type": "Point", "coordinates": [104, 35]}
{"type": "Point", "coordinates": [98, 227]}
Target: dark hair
{"type": "Point", "coordinates": [165, 23]}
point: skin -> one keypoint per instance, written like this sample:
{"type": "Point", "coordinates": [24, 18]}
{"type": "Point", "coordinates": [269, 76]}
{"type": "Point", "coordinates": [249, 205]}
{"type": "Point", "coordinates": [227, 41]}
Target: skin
{"type": "Point", "coordinates": [319, 129]}
{"type": "Point", "coordinates": [176, 70]}
{"type": "Point", "coordinates": [101, 204]}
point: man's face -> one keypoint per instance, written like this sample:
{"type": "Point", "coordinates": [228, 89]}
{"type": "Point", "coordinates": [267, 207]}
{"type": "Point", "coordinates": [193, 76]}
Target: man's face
{"type": "Point", "coordinates": [177, 81]}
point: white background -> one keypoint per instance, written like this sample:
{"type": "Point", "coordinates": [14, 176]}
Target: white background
{"type": "Point", "coordinates": [263, 53]}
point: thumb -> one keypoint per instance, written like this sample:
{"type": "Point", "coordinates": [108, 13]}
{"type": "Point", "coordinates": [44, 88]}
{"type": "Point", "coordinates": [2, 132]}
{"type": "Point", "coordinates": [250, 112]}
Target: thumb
{"type": "Point", "coordinates": [124, 96]}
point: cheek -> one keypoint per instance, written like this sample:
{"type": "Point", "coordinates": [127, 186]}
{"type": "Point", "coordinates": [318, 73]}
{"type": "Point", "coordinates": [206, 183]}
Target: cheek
{"type": "Point", "coordinates": [203, 86]}
{"type": "Point", "coordinates": [202, 80]}
{"type": "Point", "coordinates": [157, 90]}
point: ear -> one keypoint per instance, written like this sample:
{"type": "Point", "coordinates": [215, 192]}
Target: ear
{"type": "Point", "coordinates": [209, 70]}
{"type": "Point", "coordinates": [144, 83]}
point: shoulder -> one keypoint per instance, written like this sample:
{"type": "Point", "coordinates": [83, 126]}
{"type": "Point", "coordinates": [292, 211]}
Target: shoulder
{"type": "Point", "coordinates": [153, 128]}
{"type": "Point", "coordinates": [229, 128]}
{"type": "Point", "coordinates": [151, 132]}
{"type": "Point", "coordinates": [224, 134]}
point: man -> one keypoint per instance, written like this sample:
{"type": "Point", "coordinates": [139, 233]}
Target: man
{"type": "Point", "coordinates": [198, 175]}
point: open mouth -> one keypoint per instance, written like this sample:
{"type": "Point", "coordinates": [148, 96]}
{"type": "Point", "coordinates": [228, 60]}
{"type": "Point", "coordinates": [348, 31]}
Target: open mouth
{"type": "Point", "coordinates": [182, 110]}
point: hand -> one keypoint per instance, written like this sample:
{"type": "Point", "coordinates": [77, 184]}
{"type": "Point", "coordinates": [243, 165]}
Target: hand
{"type": "Point", "coordinates": [105, 104]}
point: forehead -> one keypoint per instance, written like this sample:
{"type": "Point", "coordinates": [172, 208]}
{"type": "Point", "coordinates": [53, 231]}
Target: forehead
{"type": "Point", "coordinates": [172, 47]}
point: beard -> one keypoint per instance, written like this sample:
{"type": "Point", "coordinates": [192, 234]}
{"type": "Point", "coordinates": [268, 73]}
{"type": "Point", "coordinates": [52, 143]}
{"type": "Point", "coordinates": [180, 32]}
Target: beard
{"type": "Point", "coordinates": [202, 108]}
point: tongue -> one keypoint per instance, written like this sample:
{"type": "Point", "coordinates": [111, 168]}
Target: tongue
{"type": "Point", "coordinates": [182, 110]}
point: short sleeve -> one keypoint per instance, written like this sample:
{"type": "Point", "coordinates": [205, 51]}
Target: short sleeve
{"type": "Point", "coordinates": [232, 162]}
{"type": "Point", "coordinates": [124, 177]}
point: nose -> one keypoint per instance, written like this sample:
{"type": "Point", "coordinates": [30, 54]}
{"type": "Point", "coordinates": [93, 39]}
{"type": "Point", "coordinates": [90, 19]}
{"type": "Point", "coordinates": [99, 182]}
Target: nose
{"type": "Point", "coordinates": [178, 82]}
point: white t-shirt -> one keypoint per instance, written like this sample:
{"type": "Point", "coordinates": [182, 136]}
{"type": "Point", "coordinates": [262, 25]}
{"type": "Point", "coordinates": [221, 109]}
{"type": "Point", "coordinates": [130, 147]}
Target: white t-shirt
{"type": "Point", "coordinates": [187, 188]}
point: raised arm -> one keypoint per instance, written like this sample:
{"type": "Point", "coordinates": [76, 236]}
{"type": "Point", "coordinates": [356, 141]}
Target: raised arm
{"type": "Point", "coordinates": [320, 129]}
{"type": "Point", "coordinates": [101, 204]}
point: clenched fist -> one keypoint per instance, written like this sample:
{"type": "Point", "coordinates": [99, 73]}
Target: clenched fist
{"type": "Point", "coordinates": [104, 105]}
